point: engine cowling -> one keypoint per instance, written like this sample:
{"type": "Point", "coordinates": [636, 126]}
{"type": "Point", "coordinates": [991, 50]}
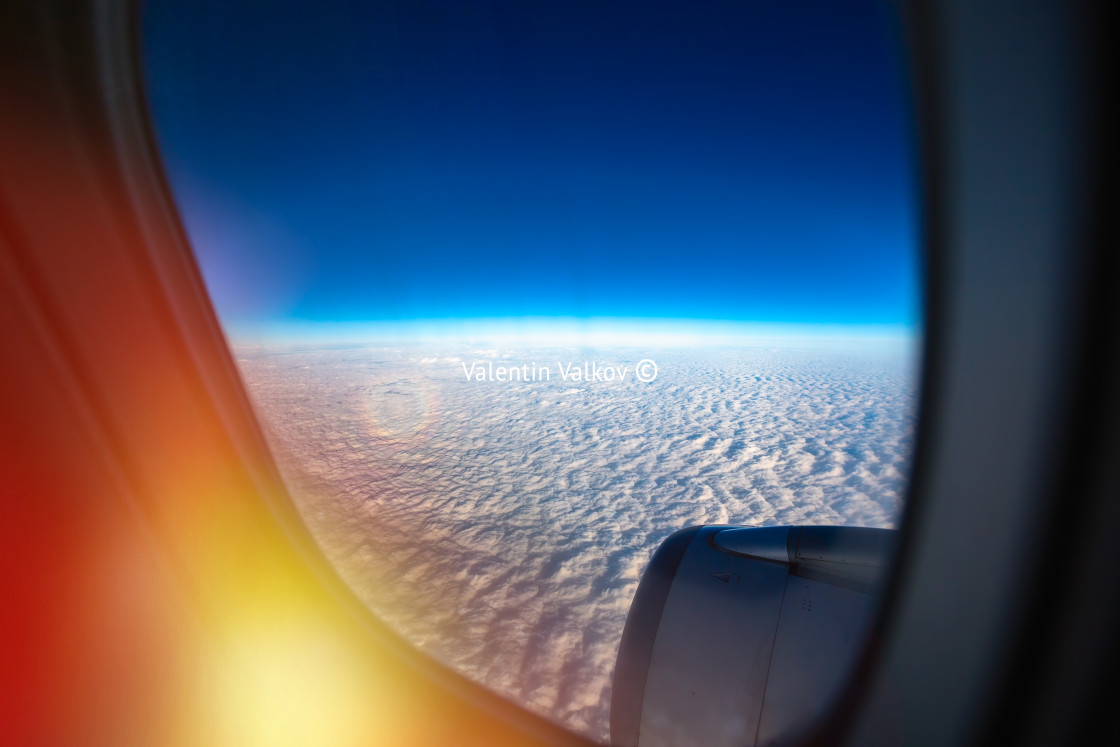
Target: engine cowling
{"type": "Point", "coordinates": [745, 636]}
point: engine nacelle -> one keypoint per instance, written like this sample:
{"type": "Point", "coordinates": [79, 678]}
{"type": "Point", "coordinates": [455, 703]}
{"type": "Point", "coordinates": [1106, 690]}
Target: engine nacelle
{"type": "Point", "coordinates": [745, 636]}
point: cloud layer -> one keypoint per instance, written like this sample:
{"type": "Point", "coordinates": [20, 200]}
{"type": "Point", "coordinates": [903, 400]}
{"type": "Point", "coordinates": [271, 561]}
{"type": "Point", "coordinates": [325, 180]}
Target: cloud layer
{"type": "Point", "coordinates": [503, 526]}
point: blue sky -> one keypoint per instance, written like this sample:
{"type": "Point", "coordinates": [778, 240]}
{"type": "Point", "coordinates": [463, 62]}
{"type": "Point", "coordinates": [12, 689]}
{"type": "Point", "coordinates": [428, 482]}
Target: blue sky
{"type": "Point", "coordinates": [351, 167]}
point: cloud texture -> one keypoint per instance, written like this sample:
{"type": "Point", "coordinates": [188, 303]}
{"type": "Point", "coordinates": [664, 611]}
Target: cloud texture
{"type": "Point", "coordinates": [503, 526]}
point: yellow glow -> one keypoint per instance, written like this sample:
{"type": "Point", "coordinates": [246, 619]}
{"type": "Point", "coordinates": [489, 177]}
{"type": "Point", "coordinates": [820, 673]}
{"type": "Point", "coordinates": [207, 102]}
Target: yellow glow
{"type": "Point", "coordinates": [289, 682]}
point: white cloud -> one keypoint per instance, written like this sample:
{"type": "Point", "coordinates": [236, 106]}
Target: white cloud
{"type": "Point", "coordinates": [503, 526]}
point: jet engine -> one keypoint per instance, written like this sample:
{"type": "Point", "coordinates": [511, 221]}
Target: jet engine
{"type": "Point", "coordinates": [745, 636]}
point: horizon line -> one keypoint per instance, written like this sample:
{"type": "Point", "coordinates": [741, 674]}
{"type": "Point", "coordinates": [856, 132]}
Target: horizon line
{"type": "Point", "coordinates": [571, 331]}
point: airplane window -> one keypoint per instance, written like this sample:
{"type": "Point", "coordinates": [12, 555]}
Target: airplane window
{"type": "Point", "coordinates": [520, 289]}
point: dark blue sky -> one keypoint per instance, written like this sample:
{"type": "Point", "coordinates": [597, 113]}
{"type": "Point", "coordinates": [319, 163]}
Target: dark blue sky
{"type": "Point", "coordinates": [392, 161]}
